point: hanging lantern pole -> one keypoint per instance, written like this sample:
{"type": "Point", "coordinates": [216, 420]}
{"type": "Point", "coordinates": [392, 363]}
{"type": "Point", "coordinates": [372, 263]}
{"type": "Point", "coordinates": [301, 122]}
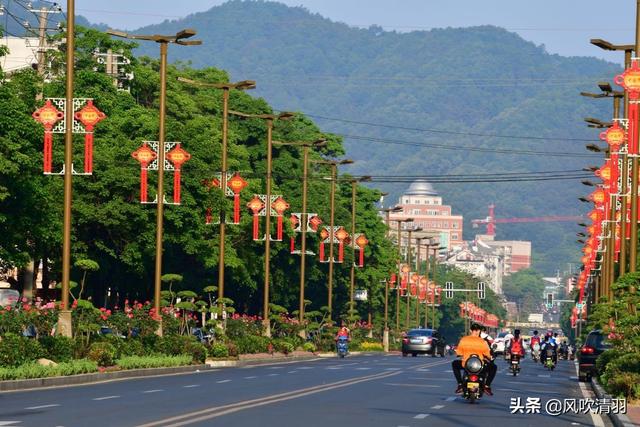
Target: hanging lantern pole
{"type": "Point", "coordinates": [163, 40]}
{"type": "Point", "coordinates": [226, 88]}
{"type": "Point", "coordinates": [269, 119]}
{"type": "Point", "coordinates": [354, 189]}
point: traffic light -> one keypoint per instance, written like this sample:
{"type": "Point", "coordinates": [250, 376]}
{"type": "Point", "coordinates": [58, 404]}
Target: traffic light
{"type": "Point", "coordinates": [448, 290]}
{"type": "Point", "coordinates": [550, 299]}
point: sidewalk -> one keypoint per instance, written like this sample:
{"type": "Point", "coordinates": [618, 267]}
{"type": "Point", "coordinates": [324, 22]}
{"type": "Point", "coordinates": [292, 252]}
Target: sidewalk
{"type": "Point", "coordinates": [633, 413]}
{"type": "Point", "coordinates": [630, 419]}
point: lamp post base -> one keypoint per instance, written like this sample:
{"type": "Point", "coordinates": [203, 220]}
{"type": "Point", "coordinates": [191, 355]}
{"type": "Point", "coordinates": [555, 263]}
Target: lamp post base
{"type": "Point", "coordinates": [385, 340]}
{"type": "Point", "coordinates": [64, 327]}
{"type": "Point", "coordinates": [267, 328]}
{"type": "Point", "coordinates": [159, 328]}
{"type": "Point", "coordinates": [303, 334]}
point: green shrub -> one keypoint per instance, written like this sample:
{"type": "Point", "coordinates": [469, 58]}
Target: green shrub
{"type": "Point", "coordinates": [173, 345]}
{"type": "Point", "coordinates": [232, 349]}
{"type": "Point", "coordinates": [219, 350]}
{"type": "Point", "coordinates": [606, 357]}
{"type": "Point", "coordinates": [252, 344]}
{"type": "Point", "coordinates": [370, 346]}
{"type": "Point", "coordinates": [237, 328]}
{"type": "Point", "coordinates": [58, 348]}
{"type": "Point", "coordinates": [80, 348]}
{"type": "Point", "coordinates": [309, 346]}
{"type": "Point", "coordinates": [16, 350]}
{"type": "Point", "coordinates": [198, 351]}
{"type": "Point", "coordinates": [139, 362]}
{"type": "Point", "coordinates": [103, 353]}
{"type": "Point", "coordinates": [282, 346]}
{"type": "Point", "coordinates": [624, 384]}
{"type": "Point", "coordinates": [33, 370]}
{"type": "Point", "coordinates": [126, 346]}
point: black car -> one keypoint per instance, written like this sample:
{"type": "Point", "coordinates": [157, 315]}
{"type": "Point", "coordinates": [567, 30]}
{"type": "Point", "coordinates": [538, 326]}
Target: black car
{"type": "Point", "coordinates": [594, 346]}
{"type": "Point", "coordinates": [423, 341]}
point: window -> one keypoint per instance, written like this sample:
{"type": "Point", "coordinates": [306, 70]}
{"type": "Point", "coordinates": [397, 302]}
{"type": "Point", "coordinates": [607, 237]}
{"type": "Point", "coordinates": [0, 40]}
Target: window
{"type": "Point", "coordinates": [454, 236]}
{"type": "Point", "coordinates": [406, 200]}
{"type": "Point", "coordinates": [416, 211]}
{"type": "Point", "coordinates": [445, 224]}
{"type": "Point", "coordinates": [454, 225]}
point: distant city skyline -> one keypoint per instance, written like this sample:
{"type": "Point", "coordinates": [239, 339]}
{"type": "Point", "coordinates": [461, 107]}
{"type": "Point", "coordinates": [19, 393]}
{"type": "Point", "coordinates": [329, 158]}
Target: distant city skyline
{"type": "Point", "coordinates": [564, 27]}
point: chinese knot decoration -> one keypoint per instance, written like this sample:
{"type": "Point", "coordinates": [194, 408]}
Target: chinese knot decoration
{"type": "Point", "coordinates": [145, 155]}
{"type": "Point", "coordinates": [324, 237]}
{"type": "Point", "coordinates": [630, 81]}
{"type": "Point", "coordinates": [48, 115]}
{"type": "Point", "coordinates": [313, 222]}
{"type": "Point", "coordinates": [279, 205]}
{"type": "Point", "coordinates": [342, 236]}
{"type": "Point", "coordinates": [256, 207]}
{"type": "Point", "coordinates": [361, 241]}
{"type": "Point", "coordinates": [236, 184]}
{"type": "Point", "coordinates": [178, 157]}
{"type": "Point", "coordinates": [89, 116]}
{"type": "Point", "coordinates": [54, 121]}
{"type": "Point", "coordinates": [393, 281]}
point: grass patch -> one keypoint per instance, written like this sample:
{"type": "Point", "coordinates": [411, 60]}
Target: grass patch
{"type": "Point", "coordinates": [137, 362]}
{"type": "Point", "coordinates": [33, 370]}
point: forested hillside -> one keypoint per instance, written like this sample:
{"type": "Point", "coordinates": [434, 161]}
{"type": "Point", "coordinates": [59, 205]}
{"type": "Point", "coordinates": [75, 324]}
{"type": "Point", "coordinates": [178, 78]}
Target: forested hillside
{"type": "Point", "coordinates": [468, 83]}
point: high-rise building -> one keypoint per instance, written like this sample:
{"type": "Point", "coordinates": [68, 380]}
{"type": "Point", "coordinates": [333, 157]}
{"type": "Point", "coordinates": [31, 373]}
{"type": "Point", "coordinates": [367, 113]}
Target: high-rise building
{"type": "Point", "coordinates": [422, 203]}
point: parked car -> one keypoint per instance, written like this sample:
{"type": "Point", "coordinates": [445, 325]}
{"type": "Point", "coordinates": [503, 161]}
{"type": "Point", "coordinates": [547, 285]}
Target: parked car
{"type": "Point", "coordinates": [9, 297]}
{"type": "Point", "coordinates": [594, 346]}
{"type": "Point", "coordinates": [423, 341]}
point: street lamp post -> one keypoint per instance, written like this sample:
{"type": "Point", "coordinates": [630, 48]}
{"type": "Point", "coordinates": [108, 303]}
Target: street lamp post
{"type": "Point", "coordinates": [354, 189]}
{"type": "Point", "coordinates": [334, 177]}
{"type": "Point", "coordinates": [408, 314]}
{"type": "Point", "coordinates": [304, 214]}
{"type": "Point", "coordinates": [163, 40]}
{"type": "Point", "coordinates": [400, 221]}
{"type": "Point", "coordinates": [269, 119]}
{"type": "Point", "coordinates": [226, 88]}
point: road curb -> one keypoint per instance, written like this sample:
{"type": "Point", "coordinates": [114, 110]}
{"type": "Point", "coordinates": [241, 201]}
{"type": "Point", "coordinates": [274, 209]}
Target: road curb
{"type": "Point", "coordinates": [97, 377]}
{"type": "Point", "coordinates": [618, 420]}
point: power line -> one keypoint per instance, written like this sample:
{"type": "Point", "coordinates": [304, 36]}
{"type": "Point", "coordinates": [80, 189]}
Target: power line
{"type": "Point", "coordinates": [448, 132]}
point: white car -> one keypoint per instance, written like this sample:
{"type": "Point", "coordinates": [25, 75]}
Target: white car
{"type": "Point", "coordinates": [499, 343]}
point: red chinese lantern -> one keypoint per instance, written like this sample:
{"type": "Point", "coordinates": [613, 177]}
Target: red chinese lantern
{"type": "Point", "coordinates": [393, 281]}
{"type": "Point", "coordinates": [615, 136]}
{"type": "Point", "coordinates": [324, 235]}
{"type": "Point", "coordinates": [630, 80]}
{"type": "Point", "coordinates": [145, 155]}
{"type": "Point", "coordinates": [89, 116]}
{"type": "Point", "coordinates": [48, 116]}
{"type": "Point", "coordinates": [236, 184]}
{"type": "Point", "coordinates": [279, 205]}
{"type": "Point", "coordinates": [361, 242]}
{"type": "Point", "coordinates": [295, 224]}
{"type": "Point", "coordinates": [341, 235]}
{"type": "Point", "coordinates": [256, 206]}
{"type": "Point", "coordinates": [314, 222]}
{"type": "Point", "coordinates": [178, 157]}
{"type": "Point", "coordinates": [598, 196]}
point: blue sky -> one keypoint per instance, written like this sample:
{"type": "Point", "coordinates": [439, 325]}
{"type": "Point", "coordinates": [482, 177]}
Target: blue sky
{"type": "Point", "coordinates": [563, 26]}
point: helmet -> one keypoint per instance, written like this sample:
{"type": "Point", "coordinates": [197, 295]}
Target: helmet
{"type": "Point", "coordinates": [535, 332]}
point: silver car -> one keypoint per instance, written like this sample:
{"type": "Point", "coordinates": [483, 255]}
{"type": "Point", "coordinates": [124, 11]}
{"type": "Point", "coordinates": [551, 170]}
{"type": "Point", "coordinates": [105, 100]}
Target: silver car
{"type": "Point", "coordinates": [9, 297]}
{"type": "Point", "coordinates": [423, 341]}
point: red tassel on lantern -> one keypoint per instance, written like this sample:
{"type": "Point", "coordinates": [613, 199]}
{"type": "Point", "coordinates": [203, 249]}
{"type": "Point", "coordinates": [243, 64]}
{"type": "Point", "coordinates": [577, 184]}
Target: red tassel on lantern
{"type": "Point", "coordinates": [361, 263]}
{"type": "Point", "coordinates": [279, 230]}
{"type": "Point", "coordinates": [143, 184]}
{"type": "Point", "coordinates": [321, 251]}
{"type": "Point", "coordinates": [292, 244]}
{"type": "Point", "coordinates": [88, 152]}
{"type": "Point", "coordinates": [236, 208]}
{"type": "Point", "coordinates": [340, 251]}
{"type": "Point", "coordinates": [208, 218]}
{"type": "Point", "coordinates": [176, 187]}
{"type": "Point", "coordinates": [48, 151]}
{"type": "Point", "coordinates": [256, 227]}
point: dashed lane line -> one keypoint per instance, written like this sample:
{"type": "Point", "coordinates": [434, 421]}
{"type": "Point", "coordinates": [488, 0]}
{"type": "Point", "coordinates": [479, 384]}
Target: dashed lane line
{"type": "Point", "coordinates": [451, 398]}
{"type": "Point", "coordinates": [362, 369]}
{"type": "Point", "coordinates": [195, 385]}
{"type": "Point", "coordinates": [153, 391]}
{"type": "Point", "coordinates": [223, 381]}
{"type": "Point", "coordinates": [250, 378]}
{"type": "Point", "coordinates": [421, 416]}
{"type": "Point", "coordinates": [52, 405]}
{"type": "Point", "coordinates": [437, 407]}
{"type": "Point", "coordinates": [273, 375]}
{"type": "Point", "coordinates": [9, 423]}
{"type": "Point", "coordinates": [106, 397]}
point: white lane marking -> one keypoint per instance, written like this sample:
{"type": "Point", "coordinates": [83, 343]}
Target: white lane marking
{"type": "Point", "coordinates": [250, 378]}
{"type": "Point", "coordinates": [43, 406]}
{"type": "Point", "coordinates": [392, 369]}
{"type": "Point", "coordinates": [223, 381]}
{"type": "Point", "coordinates": [105, 398]}
{"type": "Point", "coordinates": [423, 370]}
{"type": "Point", "coordinates": [449, 371]}
{"type": "Point", "coordinates": [334, 368]}
{"type": "Point", "coordinates": [437, 407]}
{"type": "Point", "coordinates": [276, 367]}
{"type": "Point", "coordinates": [596, 418]}
{"type": "Point", "coordinates": [9, 423]}
{"type": "Point", "coordinates": [292, 372]}
{"type": "Point", "coordinates": [421, 416]}
{"type": "Point", "coordinates": [362, 369]}
{"type": "Point", "coordinates": [573, 378]}
{"type": "Point", "coordinates": [195, 385]}
{"type": "Point", "coordinates": [544, 375]}
{"type": "Point", "coordinates": [450, 399]}
{"type": "Point", "coordinates": [273, 375]}
{"type": "Point", "coordinates": [153, 391]}
{"type": "Point", "coordinates": [306, 367]}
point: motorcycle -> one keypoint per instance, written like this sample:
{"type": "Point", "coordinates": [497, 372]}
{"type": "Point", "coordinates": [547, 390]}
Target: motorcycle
{"type": "Point", "coordinates": [473, 379]}
{"type": "Point", "coordinates": [342, 347]}
{"type": "Point", "coordinates": [515, 364]}
{"type": "Point", "coordinates": [550, 359]}
{"type": "Point", "coordinates": [535, 352]}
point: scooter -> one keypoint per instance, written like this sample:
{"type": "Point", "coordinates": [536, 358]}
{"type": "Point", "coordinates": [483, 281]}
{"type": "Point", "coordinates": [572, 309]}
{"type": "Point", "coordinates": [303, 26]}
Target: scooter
{"type": "Point", "coordinates": [550, 359]}
{"type": "Point", "coordinates": [535, 353]}
{"type": "Point", "coordinates": [515, 364]}
{"type": "Point", "coordinates": [473, 379]}
{"type": "Point", "coordinates": [342, 347]}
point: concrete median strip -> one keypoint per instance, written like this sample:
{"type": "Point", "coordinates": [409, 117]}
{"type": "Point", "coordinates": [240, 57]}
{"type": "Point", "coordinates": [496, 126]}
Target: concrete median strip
{"type": "Point", "coordinates": [217, 411]}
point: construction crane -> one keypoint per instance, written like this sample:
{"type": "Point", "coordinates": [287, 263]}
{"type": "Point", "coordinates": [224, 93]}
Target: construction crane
{"type": "Point", "coordinates": [491, 220]}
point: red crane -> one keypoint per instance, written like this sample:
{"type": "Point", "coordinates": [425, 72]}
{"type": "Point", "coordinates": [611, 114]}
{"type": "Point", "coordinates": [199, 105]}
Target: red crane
{"type": "Point", "coordinates": [491, 220]}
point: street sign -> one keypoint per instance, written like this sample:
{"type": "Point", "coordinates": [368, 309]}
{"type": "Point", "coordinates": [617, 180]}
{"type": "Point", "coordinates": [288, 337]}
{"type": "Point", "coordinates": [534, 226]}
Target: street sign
{"type": "Point", "coordinates": [481, 290]}
{"type": "Point", "coordinates": [360, 295]}
{"type": "Point", "coordinates": [448, 290]}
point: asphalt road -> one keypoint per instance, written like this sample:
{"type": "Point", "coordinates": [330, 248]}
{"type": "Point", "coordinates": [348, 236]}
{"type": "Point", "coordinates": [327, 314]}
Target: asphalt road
{"type": "Point", "coordinates": [367, 390]}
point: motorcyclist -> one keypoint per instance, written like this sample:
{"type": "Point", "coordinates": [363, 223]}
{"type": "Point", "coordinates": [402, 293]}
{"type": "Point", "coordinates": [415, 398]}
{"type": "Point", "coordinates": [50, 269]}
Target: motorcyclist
{"type": "Point", "coordinates": [343, 334]}
{"type": "Point", "coordinates": [507, 343]}
{"type": "Point", "coordinates": [535, 339]}
{"type": "Point", "coordinates": [516, 346]}
{"type": "Point", "coordinates": [469, 345]}
{"type": "Point", "coordinates": [543, 347]}
{"type": "Point", "coordinates": [491, 372]}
